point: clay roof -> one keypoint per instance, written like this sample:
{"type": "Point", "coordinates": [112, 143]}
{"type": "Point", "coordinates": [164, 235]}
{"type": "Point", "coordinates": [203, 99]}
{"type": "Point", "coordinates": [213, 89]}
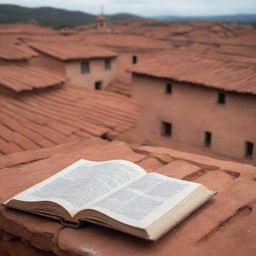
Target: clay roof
{"type": "Point", "coordinates": [184, 67]}
{"type": "Point", "coordinates": [27, 49]}
{"type": "Point", "coordinates": [231, 58]}
{"type": "Point", "coordinates": [126, 41]}
{"type": "Point", "coordinates": [73, 38]}
{"type": "Point", "coordinates": [11, 52]}
{"type": "Point", "coordinates": [58, 115]}
{"type": "Point", "coordinates": [238, 50]}
{"type": "Point", "coordinates": [24, 77]}
{"type": "Point", "coordinates": [223, 226]}
{"type": "Point", "coordinates": [120, 87]}
{"type": "Point", "coordinates": [67, 51]}
{"type": "Point", "coordinates": [25, 28]}
{"type": "Point", "coordinates": [214, 53]}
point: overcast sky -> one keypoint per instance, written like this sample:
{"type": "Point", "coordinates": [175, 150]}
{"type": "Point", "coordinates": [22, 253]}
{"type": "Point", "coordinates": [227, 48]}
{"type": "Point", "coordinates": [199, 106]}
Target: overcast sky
{"type": "Point", "coordinates": [148, 7]}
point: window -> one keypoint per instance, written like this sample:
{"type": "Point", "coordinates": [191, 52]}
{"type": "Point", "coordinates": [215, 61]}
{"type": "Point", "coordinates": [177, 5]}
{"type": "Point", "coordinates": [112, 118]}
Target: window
{"type": "Point", "coordinates": [207, 139]}
{"type": "Point", "coordinates": [166, 129]}
{"type": "Point", "coordinates": [107, 64]}
{"type": "Point", "coordinates": [249, 149]}
{"type": "Point", "coordinates": [168, 88]}
{"type": "Point", "coordinates": [98, 85]}
{"type": "Point", "coordinates": [222, 98]}
{"type": "Point", "coordinates": [134, 59]}
{"type": "Point", "coordinates": [85, 67]}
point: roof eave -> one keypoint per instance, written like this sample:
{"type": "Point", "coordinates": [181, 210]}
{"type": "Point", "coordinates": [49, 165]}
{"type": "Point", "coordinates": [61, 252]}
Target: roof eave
{"type": "Point", "coordinates": [189, 82]}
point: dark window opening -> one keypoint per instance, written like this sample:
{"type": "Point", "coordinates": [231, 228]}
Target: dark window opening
{"type": "Point", "coordinates": [168, 88]}
{"type": "Point", "coordinates": [107, 64]}
{"type": "Point", "coordinates": [98, 85]}
{"type": "Point", "coordinates": [85, 67]}
{"type": "Point", "coordinates": [166, 129]}
{"type": "Point", "coordinates": [207, 139]}
{"type": "Point", "coordinates": [249, 149]}
{"type": "Point", "coordinates": [134, 59]}
{"type": "Point", "coordinates": [222, 98]}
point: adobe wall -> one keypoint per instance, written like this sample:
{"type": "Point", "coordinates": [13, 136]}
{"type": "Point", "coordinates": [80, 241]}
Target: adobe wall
{"type": "Point", "coordinates": [124, 62]}
{"type": "Point", "coordinates": [50, 63]}
{"type": "Point", "coordinates": [97, 73]}
{"type": "Point", "coordinates": [192, 110]}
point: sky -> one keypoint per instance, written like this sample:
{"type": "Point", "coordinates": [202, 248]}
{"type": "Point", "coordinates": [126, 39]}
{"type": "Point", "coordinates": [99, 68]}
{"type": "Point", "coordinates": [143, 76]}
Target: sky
{"type": "Point", "coordinates": [148, 7]}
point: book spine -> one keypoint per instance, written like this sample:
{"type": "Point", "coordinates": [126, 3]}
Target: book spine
{"type": "Point", "coordinates": [70, 224]}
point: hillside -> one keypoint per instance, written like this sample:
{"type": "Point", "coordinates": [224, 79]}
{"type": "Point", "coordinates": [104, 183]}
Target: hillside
{"type": "Point", "coordinates": [53, 17]}
{"type": "Point", "coordinates": [59, 18]}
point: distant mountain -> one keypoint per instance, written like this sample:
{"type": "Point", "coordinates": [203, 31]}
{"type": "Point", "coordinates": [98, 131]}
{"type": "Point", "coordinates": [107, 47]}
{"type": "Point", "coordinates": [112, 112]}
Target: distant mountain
{"type": "Point", "coordinates": [53, 17]}
{"type": "Point", "coordinates": [46, 16]}
{"type": "Point", "coordinates": [122, 16]}
{"type": "Point", "coordinates": [59, 18]}
{"type": "Point", "coordinates": [239, 18]}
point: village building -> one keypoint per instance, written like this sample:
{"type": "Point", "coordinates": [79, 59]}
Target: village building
{"type": "Point", "coordinates": [40, 108]}
{"type": "Point", "coordinates": [101, 23]}
{"type": "Point", "coordinates": [82, 64]}
{"type": "Point", "coordinates": [50, 117]}
{"type": "Point", "coordinates": [131, 49]}
{"type": "Point", "coordinates": [197, 101]}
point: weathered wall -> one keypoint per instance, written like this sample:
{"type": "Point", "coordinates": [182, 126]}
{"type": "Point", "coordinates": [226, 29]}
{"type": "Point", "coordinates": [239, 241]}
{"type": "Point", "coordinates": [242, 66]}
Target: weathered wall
{"type": "Point", "coordinates": [124, 61]}
{"type": "Point", "coordinates": [192, 110]}
{"type": "Point", "coordinates": [72, 70]}
{"type": "Point", "coordinates": [97, 73]}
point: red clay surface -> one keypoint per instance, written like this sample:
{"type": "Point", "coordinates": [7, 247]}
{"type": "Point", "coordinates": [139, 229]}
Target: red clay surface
{"type": "Point", "coordinates": [224, 226]}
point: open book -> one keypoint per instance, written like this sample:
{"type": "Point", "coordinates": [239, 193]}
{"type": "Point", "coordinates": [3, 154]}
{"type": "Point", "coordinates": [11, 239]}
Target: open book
{"type": "Point", "coordinates": [117, 194]}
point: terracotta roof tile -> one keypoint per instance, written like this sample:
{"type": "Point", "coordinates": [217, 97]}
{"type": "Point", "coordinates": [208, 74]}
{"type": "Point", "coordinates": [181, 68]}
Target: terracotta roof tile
{"type": "Point", "coordinates": [23, 77]}
{"type": "Point", "coordinates": [72, 51]}
{"type": "Point", "coordinates": [51, 38]}
{"type": "Point", "coordinates": [120, 87]}
{"type": "Point", "coordinates": [224, 225]}
{"type": "Point", "coordinates": [150, 164]}
{"type": "Point", "coordinates": [179, 169]}
{"type": "Point", "coordinates": [11, 52]}
{"type": "Point", "coordinates": [240, 50]}
{"type": "Point", "coordinates": [59, 115]}
{"type": "Point", "coordinates": [25, 48]}
{"type": "Point", "coordinates": [127, 41]}
{"type": "Point", "coordinates": [25, 28]}
{"type": "Point", "coordinates": [201, 70]}
{"type": "Point", "coordinates": [26, 157]}
{"type": "Point", "coordinates": [230, 57]}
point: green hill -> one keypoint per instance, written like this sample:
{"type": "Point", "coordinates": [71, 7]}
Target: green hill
{"type": "Point", "coordinates": [59, 18]}
{"type": "Point", "coordinates": [52, 17]}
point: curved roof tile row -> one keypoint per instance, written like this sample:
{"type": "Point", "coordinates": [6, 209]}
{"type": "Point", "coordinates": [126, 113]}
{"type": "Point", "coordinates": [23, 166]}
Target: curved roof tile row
{"type": "Point", "coordinates": [58, 115]}
{"type": "Point", "coordinates": [200, 70]}
{"type": "Point", "coordinates": [72, 51]}
{"type": "Point", "coordinates": [24, 77]}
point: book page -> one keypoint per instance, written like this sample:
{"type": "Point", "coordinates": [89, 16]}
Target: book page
{"type": "Point", "coordinates": [147, 199]}
{"type": "Point", "coordinates": [83, 183]}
